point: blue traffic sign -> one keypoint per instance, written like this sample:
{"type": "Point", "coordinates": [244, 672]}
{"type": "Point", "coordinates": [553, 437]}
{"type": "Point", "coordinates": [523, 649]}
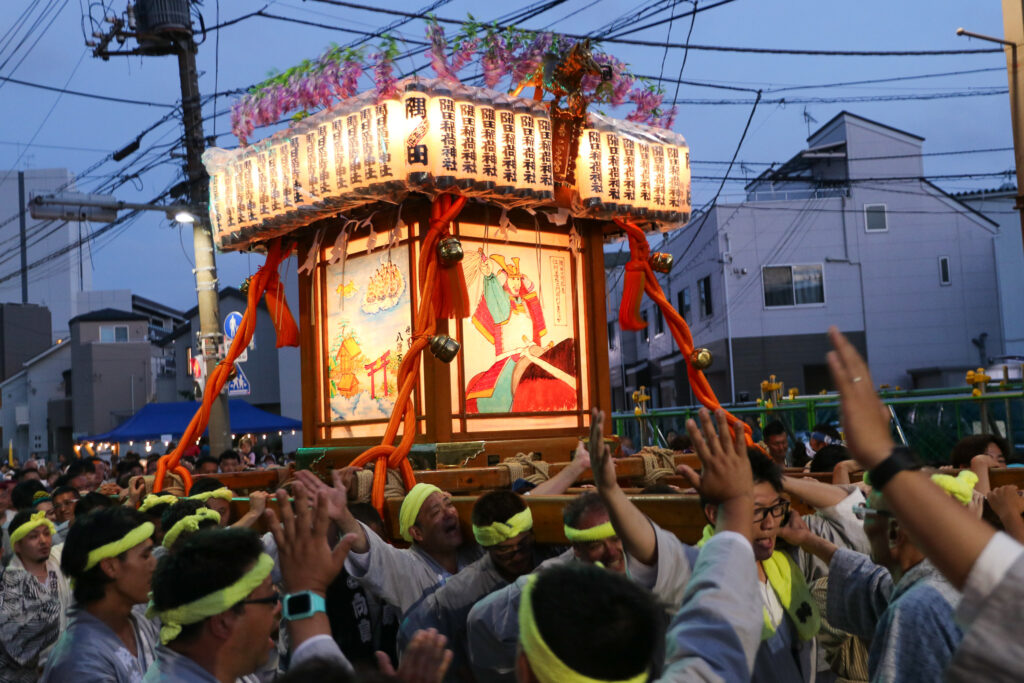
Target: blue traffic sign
{"type": "Point", "coordinates": [232, 321]}
{"type": "Point", "coordinates": [239, 386]}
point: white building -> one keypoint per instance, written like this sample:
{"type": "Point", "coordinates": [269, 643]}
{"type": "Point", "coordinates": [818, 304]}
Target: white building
{"type": "Point", "coordinates": [54, 282]}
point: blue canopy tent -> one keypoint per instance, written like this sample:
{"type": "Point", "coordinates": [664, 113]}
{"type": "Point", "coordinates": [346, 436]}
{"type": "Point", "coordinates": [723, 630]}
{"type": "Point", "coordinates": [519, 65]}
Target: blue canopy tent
{"type": "Point", "coordinates": [158, 419]}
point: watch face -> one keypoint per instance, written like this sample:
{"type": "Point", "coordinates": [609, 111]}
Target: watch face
{"type": "Point", "coordinates": [299, 604]}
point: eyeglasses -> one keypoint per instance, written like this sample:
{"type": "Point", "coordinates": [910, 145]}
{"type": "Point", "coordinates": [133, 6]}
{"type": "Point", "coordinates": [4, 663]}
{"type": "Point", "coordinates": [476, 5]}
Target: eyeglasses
{"type": "Point", "coordinates": [862, 511]}
{"type": "Point", "coordinates": [271, 599]}
{"type": "Point", "coordinates": [507, 551]}
{"type": "Point", "coordinates": [778, 510]}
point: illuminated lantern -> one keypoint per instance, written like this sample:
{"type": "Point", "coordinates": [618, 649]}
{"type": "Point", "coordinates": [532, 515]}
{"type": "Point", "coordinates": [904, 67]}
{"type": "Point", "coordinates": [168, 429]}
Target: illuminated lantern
{"type": "Point", "coordinates": [643, 204]}
{"type": "Point", "coordinates": [508, 168]}
{"type": "Point", "coordinates": [354, 147]}
{"type": "Point", "coordinates": [526, 153]}
{"type": "Point", "coordinates": [417, 162]}
{"type": "Point", "coordinates": [441, 140]}
{"type": "Point", "coordinates": [388, 143]}
{"type": "Point", "coordinates": [339, 140]}
{"type": "Point", "coordinates": [611, 165]}
{"type": "Point", "coordinates": [487, 147]}
{"type": "Point", "coordinates": [658, 186]}
{"type": "Point", "coordinates": [628, 174]}
{"type": "Point", "coordinates": [467, 130]}
{"type": "Point", "coordinates": [589, 175]}
{"type": "Point", "coordinates": [294, 181]}
{"type": "Point", "coordinates": [545, 162]}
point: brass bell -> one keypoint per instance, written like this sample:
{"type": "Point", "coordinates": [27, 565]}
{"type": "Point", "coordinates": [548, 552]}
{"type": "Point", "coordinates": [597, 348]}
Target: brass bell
{"type": "Point", "coordinates": [449, 251]}
{"type": "Point", "coordinates": [701, 358]}
{"type": "Point", "coordinates": [444, 347]}
{"type": "Point", "coordinates": [661, 262]}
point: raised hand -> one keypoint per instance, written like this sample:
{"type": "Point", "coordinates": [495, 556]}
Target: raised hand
{"type": "Point", "coordinates": [601, 462]}
{"type": "Point", "coordinates": [865, 419]}
{"type": "Point", "coordinates": [725, 476]}
{"type": "Point", "coordinates": [335, 497]}
{"type": "Point", "coordinates": [425, 660]}
{"type": "Point", "coordinates": [307, 560]}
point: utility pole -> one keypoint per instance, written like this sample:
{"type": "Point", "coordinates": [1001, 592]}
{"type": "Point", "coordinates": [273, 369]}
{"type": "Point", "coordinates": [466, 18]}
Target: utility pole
{"type": "Point", "coordinates": [21, 235]}
{"type": "Point", "coordinates": [161, 29]}
{"type": "Point", "coordinates": [202, 238]}
{"type": "Point", "coordinates": [1013, 43]}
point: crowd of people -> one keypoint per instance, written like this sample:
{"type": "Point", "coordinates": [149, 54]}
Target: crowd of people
{"type": "Point", "coordinates": [898, 577]}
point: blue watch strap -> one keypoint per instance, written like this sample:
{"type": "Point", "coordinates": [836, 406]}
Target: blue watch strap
{"type": "Point", "coordinates": [316, 603]}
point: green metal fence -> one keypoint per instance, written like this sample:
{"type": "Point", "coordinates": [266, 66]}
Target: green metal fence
{"type": "Point", "coordinates": [930, 421]}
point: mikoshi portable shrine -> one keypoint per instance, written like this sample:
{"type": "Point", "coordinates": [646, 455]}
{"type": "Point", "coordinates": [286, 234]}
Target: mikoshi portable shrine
{"type": "Point", "coordinates": [431, 215]}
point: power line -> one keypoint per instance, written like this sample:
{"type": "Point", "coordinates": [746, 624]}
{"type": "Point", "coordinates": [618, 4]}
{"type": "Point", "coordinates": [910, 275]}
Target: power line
{"type": "Point", "coordinates": [79, 93]}
{"type": "Point", "coordinates": [709, 48]}
{"type": "Point", "coordinates": [988, 92]}
{"type": "Point", "coordinates": [954, 152]}
{"type": "Point", "coordinates": [840, 183]}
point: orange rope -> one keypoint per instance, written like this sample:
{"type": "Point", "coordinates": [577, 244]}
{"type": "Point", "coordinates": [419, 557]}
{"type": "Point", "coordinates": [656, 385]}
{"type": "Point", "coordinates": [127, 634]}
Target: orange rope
{"type": "Point", "coordinates": [640, 251]}
{"type": "Point", "coordinates": [287, 332]}
{"type": "Point", "coordinates": [442, 212]}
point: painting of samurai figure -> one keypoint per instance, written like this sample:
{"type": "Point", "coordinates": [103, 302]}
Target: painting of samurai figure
{"type": "Point", "coordinates": [521, 350]}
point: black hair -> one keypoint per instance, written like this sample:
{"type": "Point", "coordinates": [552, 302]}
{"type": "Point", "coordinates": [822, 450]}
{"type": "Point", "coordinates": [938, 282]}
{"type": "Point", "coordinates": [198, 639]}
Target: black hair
{"type": "Point", "coordinates": [496, 506]}
{"type": "Point", "coordinates": [828, 457]}
{"type": "Point", "coordinates": [970, 446]}
{"type": "Point", "coordinates": [174, 512]}
{"type": "Point", "coordinates": [92, 501]}
{"type": "Point", "coordinates": [62, 481]}
{"type": "Point", "coordinates": [827, 429]}
{"type": "Point", "coordinates": [366, 513]}
{"type": "Point", "coordinates": [203, 459]}
{"type": "Point", "coordinates": [64, 488]}
{"type": "Point", "coordinates": [80, 467]}
{"type": "Point", "coordinates": [763, 469]}
{"type": "Point", "coordinates": [229, 455]}
{"type": "Point", "coordinates": [680, 442]}
{"type": "Point", "coordinates": [205, 484]}
{"type": "Point", "coordinates": [580, 505]}
{"type": "Point", "coordinates": [20, 474]}
{"type": "Point", "coordinates": [23, 494]}
{"type": "Point", "coordinates": [774, 428]}
{"type": "Point", "coordinates": [204, 563]}
{"type": "Point", "coordinates": [598, 623]}
{"type": "Point", "coordinates": [88, 532]}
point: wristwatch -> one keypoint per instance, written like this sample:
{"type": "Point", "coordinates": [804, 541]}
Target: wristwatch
{"type": "Point", "coordinates": [899, 459]}
{"type": "Point", "coordinates": [303, 605]}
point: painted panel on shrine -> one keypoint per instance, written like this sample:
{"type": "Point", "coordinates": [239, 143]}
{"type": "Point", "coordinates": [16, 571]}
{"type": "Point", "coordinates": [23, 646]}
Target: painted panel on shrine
{"type": "Point", "coordinates": [368, 331]}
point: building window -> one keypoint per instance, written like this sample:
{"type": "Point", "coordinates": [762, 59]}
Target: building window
{"type": "Point", "coordinates": [704, 292]}
{"type": "Point", "coordinates": [611, 335]}
{"type": "Point", "coordinates": [944, 278]}
{"type": "Point", "coordinates": [683, 303]}
{"type": "Point", "coordinates": [114, 333]}
{"type": "Point", "coordinates": [646, 332]}
{"type": "Point", "coordinates": [875, 219]}
{"type": "Point", "coordinates": [793, 285]}
{"type": "Point", "coordinates": [659, 322]}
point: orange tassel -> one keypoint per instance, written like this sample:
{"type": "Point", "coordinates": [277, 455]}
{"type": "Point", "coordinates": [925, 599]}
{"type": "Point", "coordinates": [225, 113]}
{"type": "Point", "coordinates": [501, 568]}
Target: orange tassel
{"type": "Point", "coordinates": [632, 296]}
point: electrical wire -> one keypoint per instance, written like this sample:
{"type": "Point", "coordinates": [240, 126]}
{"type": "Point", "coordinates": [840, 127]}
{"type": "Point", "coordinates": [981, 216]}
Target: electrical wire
{"type": "Point", "coordinates": [988, 92]}
{"type": "Point", "coordinates": [79, 93]}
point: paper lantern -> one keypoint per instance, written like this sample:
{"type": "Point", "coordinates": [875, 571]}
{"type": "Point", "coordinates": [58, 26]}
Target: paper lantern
{"type": "Point", "coordinates": [611, 164]}
{"type": "Point", "coordinates": [545, 163]}
{"type": "Point", "coordinates": [526, 152]}
{"type": "Point", "coordinates": [339, 142]}
{"type": "Point", "coordinates": [589, 173]}
{"type": "Point", "coordinates": [508, 168]}
{"type": "Point", "coordinates": [388, 141]}
{"type": "Point", "coordinates": [441, 141]}
{"type": "Point", "coordinates": [487, 147]}
{"type": "Point", "coordinates": [417, 167]}
{"type": "Point", "coordinates": [467, 128]}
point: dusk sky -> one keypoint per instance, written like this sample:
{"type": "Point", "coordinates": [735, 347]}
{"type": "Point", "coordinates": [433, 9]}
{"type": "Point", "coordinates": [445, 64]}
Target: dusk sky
{"type": "Point", "coordinates": [152, 259]}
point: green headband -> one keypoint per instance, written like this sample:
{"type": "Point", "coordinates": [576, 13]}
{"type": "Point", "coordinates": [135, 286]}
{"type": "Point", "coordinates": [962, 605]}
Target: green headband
{"type": "Point", "coordinates": [189, 523]}
{"type": "Point", "coordinates": [37, 520]}
{"type": "Point", "coordinates": [495, 533]}
{"type": "Point", "coordinates": [123, 544]}
{"type": "Point", "coordinates": [544, 663]}
{"type": "Point", "coordinates": [961, 487]}
{"type": "Point", "coordinates": [594, 533]}
{"type": "Point", "coordinates": [151, 501]}
{"type": "Point", "coordinates": [224, 493]}
{"type": "Point", "coordinates": [410, 509]}
{"type": "Point", "coordinates": [209, 605]}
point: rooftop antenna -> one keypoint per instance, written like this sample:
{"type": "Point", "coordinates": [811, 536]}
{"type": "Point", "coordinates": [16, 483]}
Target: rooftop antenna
{"type": "Point", "coordinates": [808, 119]}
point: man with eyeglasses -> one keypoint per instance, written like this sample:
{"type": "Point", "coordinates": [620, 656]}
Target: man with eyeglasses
{"type": "Point", "coordinates": [896, 599]}
{"type": "Point", "coordinates": [788, 649]}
